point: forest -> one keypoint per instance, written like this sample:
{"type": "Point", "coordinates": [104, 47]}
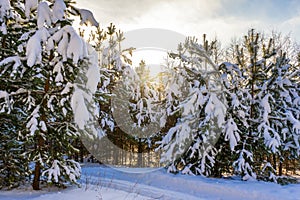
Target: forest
{"type": "Point", "coordinates": [69, 97]}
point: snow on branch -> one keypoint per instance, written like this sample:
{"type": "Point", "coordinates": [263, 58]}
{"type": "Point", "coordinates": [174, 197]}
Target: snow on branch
{"type": "Point", "coordinates": [71, 168]}
{"type": "Point", "coordinates": [4, 11]}
{"type": "Point", "coordinates": [87, 17]}
{"type": "Point", "coordinates": [69, 44]}
{"type": "Point", "coordinates": [232, 133]}
{"type": "Point", "coordinates": [29, 6]}
{"type": "Point", "coordinates": [58, 9]}
{"type": "Point", "coordinates": [34, 47]}
{"type": "Point", "coordinates": [43, 15]}
{"type": "Point", "coordinates": [82, 102]}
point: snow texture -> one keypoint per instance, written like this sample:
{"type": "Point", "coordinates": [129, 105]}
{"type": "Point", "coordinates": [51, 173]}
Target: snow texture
{"type": "Point", "coordinates": [107, 183]}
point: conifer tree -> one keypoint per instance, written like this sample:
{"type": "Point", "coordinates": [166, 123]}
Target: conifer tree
{"type": "Point", "coordinates": [261, 87]}
{"type": "Point", "coordinates": [50, 75]}
{"type": "Point", "coordinates": [189, 145]}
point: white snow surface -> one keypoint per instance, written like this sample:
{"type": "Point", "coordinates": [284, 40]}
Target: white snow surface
{"type": "Point", "coordinates": [100, 182]}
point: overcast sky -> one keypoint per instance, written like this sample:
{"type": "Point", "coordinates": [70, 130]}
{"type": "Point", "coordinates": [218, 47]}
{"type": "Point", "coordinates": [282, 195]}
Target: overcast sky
{"type": "Point", "coordinates": [222, 18]}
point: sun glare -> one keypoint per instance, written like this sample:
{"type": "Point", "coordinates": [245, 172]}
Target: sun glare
{"type": "Point", "coordinates": [154, 58]}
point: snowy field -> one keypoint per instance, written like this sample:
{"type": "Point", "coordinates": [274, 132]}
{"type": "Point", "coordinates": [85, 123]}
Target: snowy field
{"type": "Point", "coordinates": [105, 183]}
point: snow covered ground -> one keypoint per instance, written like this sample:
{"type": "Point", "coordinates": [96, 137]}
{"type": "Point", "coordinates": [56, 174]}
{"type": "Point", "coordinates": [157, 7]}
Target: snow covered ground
{"type": "Point", "coordinates": [106, 183]}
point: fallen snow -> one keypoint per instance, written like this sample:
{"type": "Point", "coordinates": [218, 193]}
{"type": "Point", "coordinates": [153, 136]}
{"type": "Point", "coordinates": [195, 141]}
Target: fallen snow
{"type": "Point", "coordinates": [99, 182]}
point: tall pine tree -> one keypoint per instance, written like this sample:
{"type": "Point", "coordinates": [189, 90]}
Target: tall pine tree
{"type": "Point", "coordinates": [50, 75]}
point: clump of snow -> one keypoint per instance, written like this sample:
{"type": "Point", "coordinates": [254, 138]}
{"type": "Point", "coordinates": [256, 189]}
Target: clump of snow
{"type": "Point", "coordinates": [3, 28]}
{"type": "Point", "coordinates": [32, 124]}
{"type": "Point", "coordinates": [58, 9]}
{"type": "Point", "coordinates": [70, 44]}
{"type": "Point", "coordinates": [232, 133]}
{"type": "Point", "coordinates": [67, 89]}
{"type": "Point", "coordinates": [43, 15]}
{"type": "Point", "coordinates": [82, 102]}
{"type": "Point", "coordinates": [43, 126]}
{"type": "Point", "coordinates": [77, 47]}
{"type": "Point", "coordinates": [87, 17]}
{"type": "Point", "coordinates": [4, 8]}
{"type": "Point", "coordinates": [34, 47]}
{"type": "Point", "coordinates": [79, 107]}
{"type": "Point", "coordinates": [58, 70]}
{"type": "Point", "coordinates": [4, 11]}
{"type": "Point", "coordinates": [5, 96]}
{"type": "Point", "coordinates": [14, 59]}
{"type": "Point", "coordinates": [30, 5]}
{"type": "Point", "coordinates": [93, 72]}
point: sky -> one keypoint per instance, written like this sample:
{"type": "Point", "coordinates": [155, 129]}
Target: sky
{"type": "Point", "coordinates": [224, 19]}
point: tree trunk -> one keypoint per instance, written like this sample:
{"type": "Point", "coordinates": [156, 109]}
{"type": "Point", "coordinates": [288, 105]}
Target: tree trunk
{"type": "Point", "coordinates": [81, 152]}
{"type": "Point", "coordinates": [41, 141]}
{"type": "Point", "coordinates": [37, 168]}
{"type": "Point", "coordinates": [274, 163]}
{"type": "Point", "coordinates": [140, 151]}
{"type": "Point", "coordinates": [280, 169]}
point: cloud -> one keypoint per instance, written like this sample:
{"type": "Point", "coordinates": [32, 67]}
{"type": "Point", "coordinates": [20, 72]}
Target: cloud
{"type": "Point", "coordinates": [224, 18]}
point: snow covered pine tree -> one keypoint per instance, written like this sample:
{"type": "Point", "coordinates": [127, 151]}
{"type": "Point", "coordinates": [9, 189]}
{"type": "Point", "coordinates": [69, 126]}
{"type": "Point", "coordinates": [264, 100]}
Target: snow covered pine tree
{"type": "Point", "coordinates": [11, 172]}
{"type": "Point", "coordinates": [260, 93]}
{"type": "Point", "coordinates": [48, 76]}
{"type": "Point", "coordinates": [137, 111]}
{"type": "Point", "coordinates": [262, 90]}
{"type": "Point", "coordinates": [195, 98]}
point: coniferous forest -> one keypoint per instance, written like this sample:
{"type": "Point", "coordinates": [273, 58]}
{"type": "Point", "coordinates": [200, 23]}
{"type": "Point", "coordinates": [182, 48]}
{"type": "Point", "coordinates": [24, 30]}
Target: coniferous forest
{"type": "Point", "coordinates": [213, 110]}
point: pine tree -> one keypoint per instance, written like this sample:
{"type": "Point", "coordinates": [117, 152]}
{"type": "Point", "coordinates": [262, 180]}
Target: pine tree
{"type": "Point", "coordinates": [260, 88]}
{"type": "Point", "coordinates": [189, 145]}
{"type": "Point", "coordinates": [11, 147]}
{"type": "Point", "coordinates": [144, 112]}
{"type": "Point", "coordinates": [110, 146]}
{"type": "Point", "coordinates": [50, 74]}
